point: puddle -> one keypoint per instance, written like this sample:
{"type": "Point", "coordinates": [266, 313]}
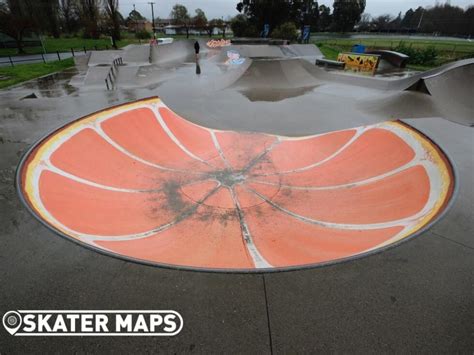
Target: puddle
{"type": "Point", "coordinates": [54, 85]}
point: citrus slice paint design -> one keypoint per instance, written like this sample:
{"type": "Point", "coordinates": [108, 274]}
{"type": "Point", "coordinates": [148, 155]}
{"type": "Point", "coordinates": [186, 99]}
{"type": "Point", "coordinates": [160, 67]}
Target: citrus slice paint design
{"type": "Point", "coordinates": [138, 181]}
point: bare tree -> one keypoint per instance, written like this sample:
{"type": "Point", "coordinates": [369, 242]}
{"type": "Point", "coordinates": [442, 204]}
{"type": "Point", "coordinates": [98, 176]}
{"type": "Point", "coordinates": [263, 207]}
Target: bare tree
{"type": "Point", "coordinates": [68, 10]}
{"type": "Point", "coordinates": [113, 19]}
{"type": "Point", "coordinates": [48, 16]}
{"type": "Point", "coordinates": [89, 13]}
{"type": "Point", "coordinates": [16, 19]}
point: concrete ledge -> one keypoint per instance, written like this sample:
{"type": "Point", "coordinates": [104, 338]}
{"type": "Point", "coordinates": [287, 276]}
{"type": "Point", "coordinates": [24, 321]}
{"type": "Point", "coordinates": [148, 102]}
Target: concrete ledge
{"type": "Point", "coordinates": [330, 63]}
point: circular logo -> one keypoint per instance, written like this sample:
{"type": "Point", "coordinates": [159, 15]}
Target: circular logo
{"type": "Point", "coordinates": [12, 321]}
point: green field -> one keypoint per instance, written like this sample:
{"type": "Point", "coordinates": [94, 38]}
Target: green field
{"type": "Point", "coordinates": [447, 50]}
{"type": "Point", "coordinates": [14, 75]}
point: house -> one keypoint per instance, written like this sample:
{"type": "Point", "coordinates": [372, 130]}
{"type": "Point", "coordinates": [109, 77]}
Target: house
{"type": "Point", "coordinates": [140, 25]}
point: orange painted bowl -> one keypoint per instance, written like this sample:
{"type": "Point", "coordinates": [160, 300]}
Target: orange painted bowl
{"type": "Point", "coordinates": [138, 182]}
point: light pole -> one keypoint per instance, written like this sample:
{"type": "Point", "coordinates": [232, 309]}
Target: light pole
{"type": "Point", "coordinates": [152, 18]}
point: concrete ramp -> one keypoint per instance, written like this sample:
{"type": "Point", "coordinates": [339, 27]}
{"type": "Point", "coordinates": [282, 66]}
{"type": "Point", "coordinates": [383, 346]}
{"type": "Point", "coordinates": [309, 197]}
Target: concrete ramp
{"type": "Point", "coordinates": [137, 54]}
{"type": "Point", "coordinates": [104, 57]}
{"type": "Point", "coordinates": [453, 90]}
{"type": "Point", "coordinates": [287, 73]}
{"type": "Point", "coordinates": [174, 53]}
{"type": "Point", "coordinates": [257, 50]}
{"type": "Point", "coordinates": [143, 184]}
{"type": "Point", "coordinates": [127, 76]}
{"type": "Point", "coordinates": [96, 76]}
{"type": "Point", "coordinates": [305, 50]}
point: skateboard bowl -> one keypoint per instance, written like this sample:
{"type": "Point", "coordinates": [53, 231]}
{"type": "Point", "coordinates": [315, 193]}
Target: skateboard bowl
{"type": "Point", "coordinates": [138, 182]}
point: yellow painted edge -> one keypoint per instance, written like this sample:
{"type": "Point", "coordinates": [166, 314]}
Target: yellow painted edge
{"type": "Point", "coordinates": [435, 156]}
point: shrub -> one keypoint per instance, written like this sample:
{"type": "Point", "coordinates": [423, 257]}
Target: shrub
{"type": "Point", "coordinates": [241, 27]}
{"type": "Point", "coordinates": [143, 34]}
{"type": "Point", "coordinates": [287, 31]}
{"type": "Point", "coordinates": [425, 56]}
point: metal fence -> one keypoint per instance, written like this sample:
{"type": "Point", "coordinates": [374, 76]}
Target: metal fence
{"type": "Point", "coordinates": [112, 74]}
{"type": "Point", "coordinates": [47, 57]}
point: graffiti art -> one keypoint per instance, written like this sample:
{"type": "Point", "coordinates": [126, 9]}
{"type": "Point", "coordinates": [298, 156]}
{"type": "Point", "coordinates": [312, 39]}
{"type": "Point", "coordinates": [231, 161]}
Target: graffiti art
{"type": "Point", "coordinates": [360, 62]}
{"type": "Point", "coordinates": [217, 43]}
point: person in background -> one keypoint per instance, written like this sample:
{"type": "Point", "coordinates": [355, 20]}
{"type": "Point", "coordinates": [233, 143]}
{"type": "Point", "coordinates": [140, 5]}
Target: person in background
{"type": "Point", "coordinates": [196, 49]}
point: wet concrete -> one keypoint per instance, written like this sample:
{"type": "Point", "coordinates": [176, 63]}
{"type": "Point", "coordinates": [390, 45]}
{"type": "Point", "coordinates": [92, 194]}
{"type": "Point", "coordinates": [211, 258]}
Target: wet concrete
{"type": "Point", "coordinates": [416, 297]}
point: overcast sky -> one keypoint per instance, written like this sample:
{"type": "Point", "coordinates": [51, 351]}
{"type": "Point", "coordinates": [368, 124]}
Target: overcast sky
{"type": "Point", "coordinates": [225, 8]}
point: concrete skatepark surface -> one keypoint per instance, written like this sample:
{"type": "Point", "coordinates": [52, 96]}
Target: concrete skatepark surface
{"type": "Point", "coordinates": [415, 297]}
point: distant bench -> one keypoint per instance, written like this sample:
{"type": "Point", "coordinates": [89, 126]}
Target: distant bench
{"type": "Point", "coordinates": [330, 63]}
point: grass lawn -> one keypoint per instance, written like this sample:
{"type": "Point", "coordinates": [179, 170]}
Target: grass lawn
{"type": "Point", "coordinates": [14, 75]}
{"type": "Point", "coordinates": [447, 50]}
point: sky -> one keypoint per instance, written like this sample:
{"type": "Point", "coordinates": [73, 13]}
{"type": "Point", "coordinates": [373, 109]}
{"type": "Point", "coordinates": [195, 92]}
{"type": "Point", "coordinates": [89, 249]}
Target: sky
{"type": "Point", "coordinates": [226, 8]}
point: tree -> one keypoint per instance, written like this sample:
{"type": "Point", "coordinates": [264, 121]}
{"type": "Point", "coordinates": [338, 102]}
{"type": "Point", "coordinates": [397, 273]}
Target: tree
{"type": "Point", "coordinates": [113, 19]}
{"type": "Point", "coordinates": [89, 15]}
{"type": "Point", "coordinates": [222, 25]}
{"type": "Point", "coordinates": [16, 19]}
{"type": "Point", "coordinates": [273, 12]}
{"type": "Point", "coordinates": [133, 17]}
{"type": "Point", "coordinates": [347, 13]}
{"type": "Point", "coordinates": [287, 31]}
{"type": "Point", "coordinates": [179, 15]}
{"type": "Point", "coordinates": [47, 13]}
{"type": "Point", "coordinates": [407, 19]}
{"type": "Point", "coordinates": [395, 24]}
{"type": "Point", "coordinates": [382, 23]}
{"type": "Point", "coordinates": [241, 27]}
{"type": "Point", "coordinates": [365, 23]}
{"type": "Point", "coordinates": [200, 20]}
{"type": "Point", "coordinates": [325, 18]}
{"type": "Point", "coordinates": [469, 21]}
{"type": "Point", "coordinates": [68, 10]}
{"type": "Point", "coordinates": [441, 19]}
{"type": "Point", "coordinates": [312, 16]}
{"type": "Point", "coordinates": [216, 23]}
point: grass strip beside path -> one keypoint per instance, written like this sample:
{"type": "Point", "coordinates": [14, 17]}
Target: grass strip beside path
{"type": "Point", "coordinates": [13, 75]}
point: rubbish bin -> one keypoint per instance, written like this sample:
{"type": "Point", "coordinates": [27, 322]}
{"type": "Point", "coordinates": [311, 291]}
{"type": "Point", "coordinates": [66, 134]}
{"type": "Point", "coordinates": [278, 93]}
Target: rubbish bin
{"type": "Point", "coordinates": [358, 48]}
